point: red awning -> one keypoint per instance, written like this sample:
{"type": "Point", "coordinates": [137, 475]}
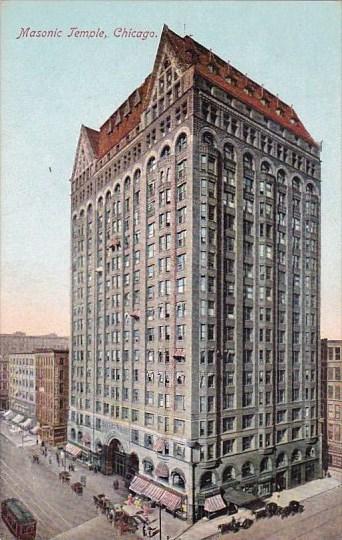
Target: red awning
{"type": "Point", "coordinates": [171, 500]}
{"type": "Point", "coordinates": [154, 492]}
{"type": "Point", "coordinates": [214, 504]}
{"type": "Point", "coordinates": [179, 353]}
{"type": "Point", "coordinates": [162, 470]}
{"type": "Point", "coordinates": [139, 485]}
{"type": "Point", "coordinates": [159, 446]}
{"type": "Point", "coordinates": [73, 450]}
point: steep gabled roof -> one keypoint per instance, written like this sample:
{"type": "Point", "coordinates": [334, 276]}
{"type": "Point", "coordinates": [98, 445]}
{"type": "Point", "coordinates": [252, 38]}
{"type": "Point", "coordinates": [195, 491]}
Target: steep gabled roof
{"type": "Point", "coordinates": [123, 120]}
{"type": "Point", "coordinates": [192, 54]}
{"type": "Point", "coordinates": [93, 137]}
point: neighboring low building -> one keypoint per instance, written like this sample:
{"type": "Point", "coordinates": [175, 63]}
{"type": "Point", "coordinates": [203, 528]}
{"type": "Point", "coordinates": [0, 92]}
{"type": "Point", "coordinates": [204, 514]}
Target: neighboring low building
{"type": "Point", "coordinates": [52, 394]}
{"type": "Point", "coordinates": [19, 342]}
{"type": "Point", "coordinates": [331, 395]}
{"type": "Point", "coordinates": [22, 384]}
{"type": "Point", "coordinates": [4, 401]}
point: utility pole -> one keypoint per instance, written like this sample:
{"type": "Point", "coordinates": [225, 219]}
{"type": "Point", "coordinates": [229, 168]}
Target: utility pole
{"type": "Point", "coordinates": [160, 524]}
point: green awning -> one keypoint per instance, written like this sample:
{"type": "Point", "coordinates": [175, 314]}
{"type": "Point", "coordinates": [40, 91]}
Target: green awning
{"type": "Point", "coordinates": [240, 498]}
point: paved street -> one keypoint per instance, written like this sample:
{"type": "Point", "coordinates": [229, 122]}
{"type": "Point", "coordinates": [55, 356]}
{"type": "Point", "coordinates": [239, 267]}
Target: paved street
{"type": "Point", "coordinates": [321, 520]}
{"type": "Point", "coordinates": [61, 514]}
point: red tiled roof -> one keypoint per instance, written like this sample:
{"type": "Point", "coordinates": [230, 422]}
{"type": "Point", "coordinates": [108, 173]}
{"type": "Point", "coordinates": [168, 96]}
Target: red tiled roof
{"type": "Point", "coordinates": [130, 121]}
{"type": "Point", "coordinates": [191, 53]}
{"type": "Point", "coordinates": [194, 53]}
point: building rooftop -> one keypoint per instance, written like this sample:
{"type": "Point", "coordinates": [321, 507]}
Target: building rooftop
{"type": "Point", "coordinates": [208, 65]}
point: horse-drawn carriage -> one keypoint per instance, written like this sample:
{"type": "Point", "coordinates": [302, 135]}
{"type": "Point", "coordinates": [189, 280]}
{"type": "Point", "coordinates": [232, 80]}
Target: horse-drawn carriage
{"type": "Point", "coordinates": [77, 488]}
{"type": "Point", "coordinates": [64, 477]}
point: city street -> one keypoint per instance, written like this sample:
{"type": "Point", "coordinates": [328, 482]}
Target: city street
{"type": "Point", "coordinates": [60, 513]}
{"type": "Point", "coordinates": [55, 506]}
{"type": "Point", "coordinates": [321, 520]}
{"type": "Point", "coordinates": [63, 515]}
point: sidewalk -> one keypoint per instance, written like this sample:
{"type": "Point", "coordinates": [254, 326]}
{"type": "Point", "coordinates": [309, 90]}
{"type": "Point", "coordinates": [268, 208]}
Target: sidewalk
{"type": "Point", "coordinates": [205, 528]}
{"type": "Point", "coordinates": [98, 483]}
{"type": "Point", "coordinates": [305, 491]}
{"type": "Point", "coordinates": [16, 439]}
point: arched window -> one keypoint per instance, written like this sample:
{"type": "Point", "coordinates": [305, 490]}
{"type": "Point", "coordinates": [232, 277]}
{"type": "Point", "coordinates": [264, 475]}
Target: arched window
{"type": "Point", "coordinates": [228, 474]}
{"type": "Point", "coordinates": [166, 151]}
{"type": "Point", "coordinates": [229, 151]}
{"type": "Point", "coordinates": [207, 480]}
{"type": "Point", "coordinates": [108, 197]}
{"type": "Point", "coordinates": [162, 471]}
{"type": "Point", "coordinates": [296, 183]}
{"type": "Point", "coordinates": [117, 189]}
{"type": "Point", "coordinates": [310, 452]}
{"type": "Point", "coordinates": [281, 460]}
{"type": "Point", "coordinates": [178, 479]}
{"type": "Point", "coordinates": [265, 465]}
{"type": "Point", "coordinates": [265, 167]}
{"type": "Point", "coordinates": [247, 469]}
{"type": "Point", "coordinates": [137, 175]}
{"type": "Point", "coordinates": [181, 143]}
{"type": "Point", "coordinates": [73, 434]}
{"type": "Point", "coordinates": [248, 162]}
{"type": "Point", "coordinates": [281, 177]}
{"type": "Point", "coordinates": [151, 164]}
{"type": "Point", "coordinates": [79, 436]}
{"type": "Point", "coordinates": [208, 138]}
{"type": "Point", "coordinates": [296, 455]}
{"type": "Point", "coordinates": [148, 467]}
{"type": "Point", "coordinates": [309, 188]}
{"type": "Point", "coordinates": [127, 183]}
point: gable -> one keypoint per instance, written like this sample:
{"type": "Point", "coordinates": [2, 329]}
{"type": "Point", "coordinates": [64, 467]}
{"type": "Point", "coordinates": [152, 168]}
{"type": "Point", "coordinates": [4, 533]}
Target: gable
{"type": "Point", "coordinates": [86, 151]}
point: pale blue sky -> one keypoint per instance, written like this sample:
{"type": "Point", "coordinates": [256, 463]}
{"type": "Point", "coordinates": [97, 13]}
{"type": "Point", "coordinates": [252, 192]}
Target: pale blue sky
{"type": "Point", "coordinates": [50, 87]}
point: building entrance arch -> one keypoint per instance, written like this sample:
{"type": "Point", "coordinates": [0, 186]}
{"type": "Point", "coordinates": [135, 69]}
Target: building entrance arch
{"type": "Point", "coordinates": [114, 459]}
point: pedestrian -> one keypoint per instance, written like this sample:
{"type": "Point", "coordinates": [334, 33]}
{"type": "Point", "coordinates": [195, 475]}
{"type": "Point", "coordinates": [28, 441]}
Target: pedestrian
{"type": "Point", "coordinates": [50, 460]}
{"type": "Point", "coordinates": [37, 442]}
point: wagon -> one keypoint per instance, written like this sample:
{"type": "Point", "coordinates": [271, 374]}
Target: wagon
{"type": "Point", "coordinates": [295, 507]}
{"type": "Point", "coordinates": [18, 519]}
{"type": "Point", "coordinates": [77, 488]}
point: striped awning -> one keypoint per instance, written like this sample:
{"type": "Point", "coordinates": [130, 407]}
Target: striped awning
{"type": "Point", "coordinates": [214, 504]}
{"type": "Point", "coordinates": [159, 446]}
{"type": "Point", "coordinates": [27, 423]}
{"type": "Point", "coordinates": [17, 419]}
{"type": "Point", "coordinates": [8, 415]}
{"type": "Point", "coordinates": [179, 353]}
{"type": "Point", "coordinates": [162, 470]}
{"type": "Point", "coordinates": [73, 450]}
{"type": "Point", "coordinates": [154, 492]}
{"type": "Point", "coordinates": [171, 500]}
{"type": "Point", "coordinates": [139, 485]}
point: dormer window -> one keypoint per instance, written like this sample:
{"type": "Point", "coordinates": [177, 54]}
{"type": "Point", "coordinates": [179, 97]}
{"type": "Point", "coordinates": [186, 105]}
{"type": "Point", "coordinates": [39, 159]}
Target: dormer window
{"type": "Point", "coordinates": [212, 68]}
{"type": "Point", "coordinates": [248, 90]}
{"type": "Point", "coordinates": [265, 102]}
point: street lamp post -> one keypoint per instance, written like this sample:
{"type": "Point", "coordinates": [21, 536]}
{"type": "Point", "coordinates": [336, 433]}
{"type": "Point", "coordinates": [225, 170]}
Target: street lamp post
{"type": "Point", "coordinates": [160, 523]}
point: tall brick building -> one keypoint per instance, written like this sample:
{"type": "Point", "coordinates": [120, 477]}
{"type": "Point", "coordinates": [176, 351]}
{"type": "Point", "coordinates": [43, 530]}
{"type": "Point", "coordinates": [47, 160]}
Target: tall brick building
{"type": "Point", "coordinates": [195, 286]}
{"type": "Point", "coordinates": [52, 395]}
{"type": "Point", "coordinates": [331, 402]}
